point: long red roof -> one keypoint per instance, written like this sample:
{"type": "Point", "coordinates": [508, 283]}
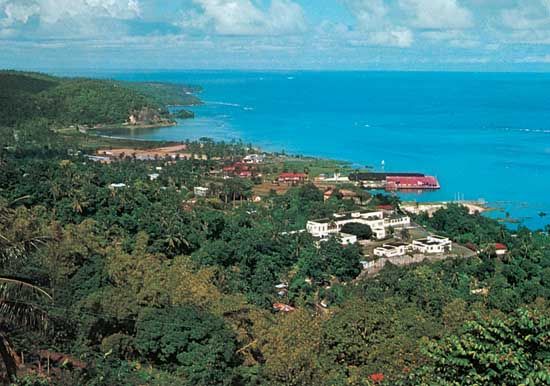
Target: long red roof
{"type": "Point", "coordinates": [411, 182]}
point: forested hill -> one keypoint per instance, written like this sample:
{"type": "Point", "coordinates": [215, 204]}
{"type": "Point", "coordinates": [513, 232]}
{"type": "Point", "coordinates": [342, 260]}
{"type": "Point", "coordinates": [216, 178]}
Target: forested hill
{"type": "Point", "coordinates": [27, 96]}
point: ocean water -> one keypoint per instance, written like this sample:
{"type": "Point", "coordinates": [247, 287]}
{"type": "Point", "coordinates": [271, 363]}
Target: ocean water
{"type": "Point", "coordinates": [484, 135]}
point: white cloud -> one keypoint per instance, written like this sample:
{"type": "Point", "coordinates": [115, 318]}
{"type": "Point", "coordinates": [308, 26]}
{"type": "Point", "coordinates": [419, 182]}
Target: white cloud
{"type": "Point", "coordinates": [401, 37]}
{"type": "Point", "coordinates": [52, 11]}
{"type": "Point", "coordinates": [370, 14]}
{"type": "Point", "coordinates": [535, 59]}
{"type": "Point", "coordinates": [243, 17]}
{"type": "Point", "coordinates": [527, 15]}
{"type": "Point", "coordinates": [17, 12]}
{"type": "Point", "coordinates": [375, 26]}
{"type": "Point", "coordinates": [389, 36]}
{"type": "Point", "coordinates": [438, 14]}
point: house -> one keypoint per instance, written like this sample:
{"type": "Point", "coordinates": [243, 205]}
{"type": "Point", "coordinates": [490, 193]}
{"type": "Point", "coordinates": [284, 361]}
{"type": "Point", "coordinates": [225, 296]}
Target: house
{"type": "Point", "coordinates": [501, 249]}
{"type": "Point", "coordinates": [200, 191]}
{"type": "Point", "coordinates": [323, 228]}
{"type": "Point", "coordinates": [253, 159]}
{"type": "Point", "coordinates": [432, 244]}
{"type": "Point", "coordinates": [153, 176]}
{"type": "Point", "coordinates": [391, 250]}
{"type": "Point", "coordinates": [292, 177]}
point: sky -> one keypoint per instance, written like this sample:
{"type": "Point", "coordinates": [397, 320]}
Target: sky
{"type": "Point", "coordinates": [477, 35]}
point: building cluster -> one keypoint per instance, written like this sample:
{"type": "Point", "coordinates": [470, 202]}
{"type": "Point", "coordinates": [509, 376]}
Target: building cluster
{"type": "Point", "coordinates": [378, 221]}
{"type": "Point", "coordinates": [241, 170]}
{"type": "Point", "coordinates": [429, 245]}
{"type": "Point", "coordinates": [245, 168]}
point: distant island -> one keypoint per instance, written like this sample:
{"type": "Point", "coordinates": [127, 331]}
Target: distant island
{"type": "Point", "coordinates": [91, 103]}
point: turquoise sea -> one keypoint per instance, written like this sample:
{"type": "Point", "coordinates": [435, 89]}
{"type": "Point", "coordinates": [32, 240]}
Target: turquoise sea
{"type": "Point", "coordinates": [484, 135]}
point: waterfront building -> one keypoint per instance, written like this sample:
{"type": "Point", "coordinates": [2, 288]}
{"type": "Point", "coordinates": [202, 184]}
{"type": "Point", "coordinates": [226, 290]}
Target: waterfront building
{"type": "Point", "coordinates": [395, 181]}
{"type": "Point", "coordinates": [414, 182]}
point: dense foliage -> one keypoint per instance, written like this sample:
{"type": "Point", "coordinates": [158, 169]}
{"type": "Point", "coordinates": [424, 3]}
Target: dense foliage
{"type": "Point", "coordinates": [73, 101]}
{"type": "Point", "coordinates": [362, 231]}
{"type": "Point", "coordinates": [152, 285]}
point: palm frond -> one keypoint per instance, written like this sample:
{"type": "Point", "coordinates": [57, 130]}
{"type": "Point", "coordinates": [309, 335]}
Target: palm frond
{"type": "Point", "coordinates": [25, 315]}
{"type": "Point", "coordinates": [20, 303]}
{"type": "Point", "coordinates": [11, 287]}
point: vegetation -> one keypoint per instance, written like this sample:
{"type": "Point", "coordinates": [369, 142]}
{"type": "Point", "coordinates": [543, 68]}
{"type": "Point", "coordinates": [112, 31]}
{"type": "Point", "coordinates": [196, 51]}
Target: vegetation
{"type": "Point", "coordinates": [80, 101]}
{"type": "Point", "coordinates": [147, 284]}
{"type": "Point", "coordinates": [362, 231]}
{"type": "Point", "coordinates": [183, 114]}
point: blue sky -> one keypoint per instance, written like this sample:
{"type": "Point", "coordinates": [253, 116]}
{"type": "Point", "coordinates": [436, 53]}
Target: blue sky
{"type": "Point", "coordinates": [506, 35]}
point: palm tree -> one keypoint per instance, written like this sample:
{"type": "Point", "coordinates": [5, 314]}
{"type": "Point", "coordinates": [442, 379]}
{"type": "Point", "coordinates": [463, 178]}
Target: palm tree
{"type": "Point", "coordinates": [19, 298]}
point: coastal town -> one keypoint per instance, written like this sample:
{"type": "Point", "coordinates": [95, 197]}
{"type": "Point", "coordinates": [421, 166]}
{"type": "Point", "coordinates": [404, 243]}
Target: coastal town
{"type": "Point", "coordinates": [393, 234]}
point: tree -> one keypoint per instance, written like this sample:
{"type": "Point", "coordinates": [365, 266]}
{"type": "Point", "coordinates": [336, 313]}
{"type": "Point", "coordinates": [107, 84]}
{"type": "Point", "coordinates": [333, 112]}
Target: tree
{"type": "Point", "coordinates": [405, 234]}
{"type": "Point", "coordinates": [193, 342]}
{"type": "Point", "coordinates": [290, 348]}
{"type": "Point", "coordinates": [364, 338]}
{"type": "Point", "coordinates": [19, 297]}
{"type": "Point", "coordinates": [514, 350]}
{"type": "Point", "coordinates": [362, 231]}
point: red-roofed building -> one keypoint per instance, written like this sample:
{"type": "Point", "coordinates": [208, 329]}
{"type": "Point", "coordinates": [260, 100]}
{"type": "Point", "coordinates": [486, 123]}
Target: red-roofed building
{"type": "Point", "coordinates": [292, 177]}
{"type": "Point", "coordinates": [500, 249]}
{"type": "Point", "coordinates": [245, 174]}
{"type": "Point", "coordinates": [410, 182]}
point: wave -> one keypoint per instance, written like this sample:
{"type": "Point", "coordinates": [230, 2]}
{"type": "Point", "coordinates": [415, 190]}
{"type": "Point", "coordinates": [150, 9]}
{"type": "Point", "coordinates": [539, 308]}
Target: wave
{"type": "Point", "coordinates": [525, 130]}
{"type": "Point", "coordinates": [223, 103]}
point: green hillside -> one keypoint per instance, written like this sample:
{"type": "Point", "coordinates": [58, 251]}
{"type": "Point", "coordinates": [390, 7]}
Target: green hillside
{"type": "Point", "coordinates": [65, 101]}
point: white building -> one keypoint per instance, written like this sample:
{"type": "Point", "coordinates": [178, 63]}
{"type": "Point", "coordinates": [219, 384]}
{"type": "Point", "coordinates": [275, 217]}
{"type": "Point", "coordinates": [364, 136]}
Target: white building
{"type": "Point", "coordinates": [153, 176]}
{"type": "Point", "coordinates": [253, 159]}
{"type": "Point", "coordinates": [391, 250]}
{"type": "Point", "coordinates": [200, 191]}
{"type": "Point", "coordinates": [432, 244]}
{"type": "Point", "coordinates": [117, 186]}
{"type": "Point", "coordinates": [347, 239]}
{"type": "Point", "coordinates": [323, 228]}
{"type": "Point", "coordinates": [396, 220]}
